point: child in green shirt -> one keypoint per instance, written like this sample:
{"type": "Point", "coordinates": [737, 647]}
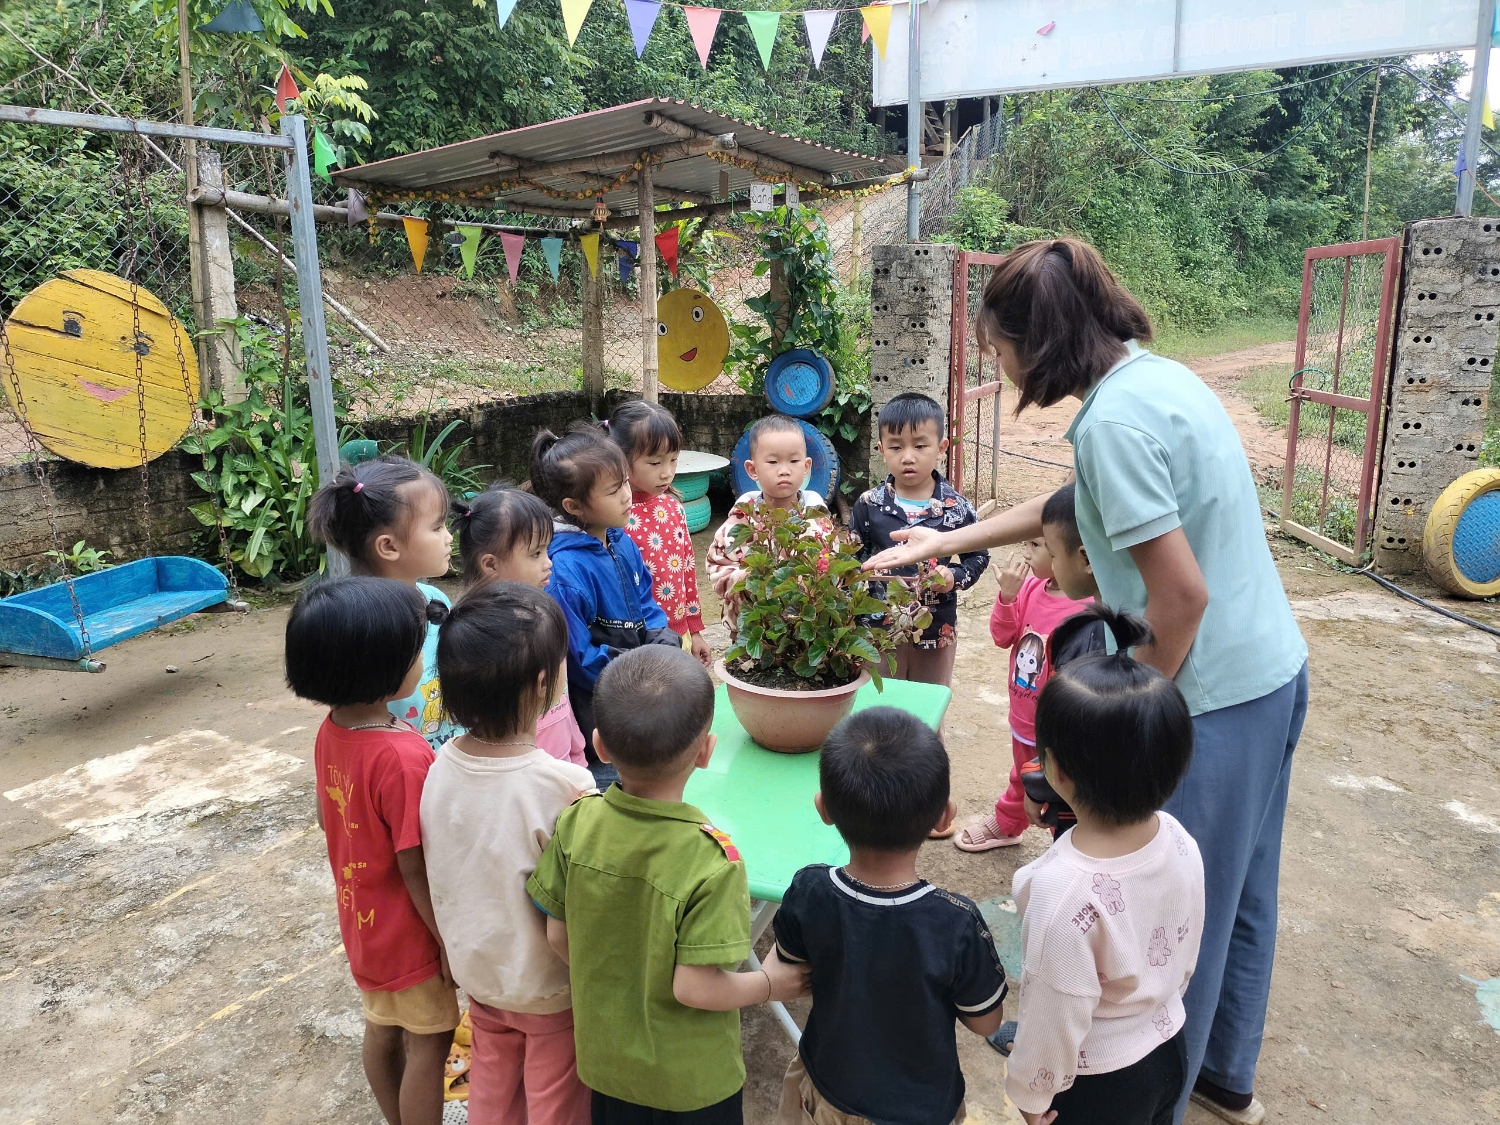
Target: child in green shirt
{"type": "Point", "coordinates": [649, 905]}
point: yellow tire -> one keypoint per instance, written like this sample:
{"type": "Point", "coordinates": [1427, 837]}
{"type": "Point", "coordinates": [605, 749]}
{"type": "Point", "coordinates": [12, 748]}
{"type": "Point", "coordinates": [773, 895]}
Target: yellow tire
{"type": "Point", "coordinates": [1461, 544]}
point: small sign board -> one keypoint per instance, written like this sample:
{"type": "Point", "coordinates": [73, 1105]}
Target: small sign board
{"type": "Point", "coordinates": [792, 198]}
{"type": "Point", "coordinates": [762, 196]}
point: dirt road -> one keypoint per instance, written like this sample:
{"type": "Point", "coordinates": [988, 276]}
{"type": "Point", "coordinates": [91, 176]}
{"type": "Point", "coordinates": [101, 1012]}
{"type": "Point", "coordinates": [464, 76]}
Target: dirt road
{"type": "Point", "coordinates": [169, 949]}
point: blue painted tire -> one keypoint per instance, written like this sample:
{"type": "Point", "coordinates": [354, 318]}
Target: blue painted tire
{"type": "Point", "coordinates": [698, 512]}
{"type": "Point", "coordinates": [799, 383]}
{"type": "Point", "coordinates": [823, 477]}
{"type": "Point", "coordinates": [690, 486]}
{"type": "Point", "coordinates": [1461, 542]}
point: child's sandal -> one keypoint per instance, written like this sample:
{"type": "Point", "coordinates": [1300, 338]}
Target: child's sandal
{"type": "Point", "coordinates": [1003, 1039]}
{"type": "Point", "coordinates": [984, 835]}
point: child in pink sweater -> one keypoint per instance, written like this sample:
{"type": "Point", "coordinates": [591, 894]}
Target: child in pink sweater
{"type": "Point", "coordinates": [1038, 592]}
{"type": "Point", "coordinates": [1112, 914]}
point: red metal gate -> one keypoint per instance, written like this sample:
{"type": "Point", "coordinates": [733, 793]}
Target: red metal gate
{"type": "Point", "coordinates": [1338, 394]}
{"type": "Point", "coordinates": [967, 388]}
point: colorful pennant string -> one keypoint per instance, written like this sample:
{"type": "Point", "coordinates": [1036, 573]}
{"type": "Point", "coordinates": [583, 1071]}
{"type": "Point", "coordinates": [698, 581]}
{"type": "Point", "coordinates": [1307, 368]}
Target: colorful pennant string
{"type": "Point", "coordinates": [324, 157]}
{"type": "Point", "coordinates": [666, 244]}
{"type": "Point", "coordinates": [702, 24]}
{"type": "Point", "coordinates": [819, 26]}
{"type": "Point", "coordinates": [416, 238]}
{"type": "Point", "coordinates": [468, 247]}
{"type": "Point", "coordinates": [574, 12]}
{"type": "Point", "coordinates": [627, 257]}
{"type": "Point", "coordinates": [358, 212]}
{"type": "Point", "coordinates": [503, 9]}
{"type": "Point", "coordinates": [642, 15]}
{"type": "Point", "coordinates": [552, 251]}
{"type": "Point", "coordinates": [513, 245]}
{"type": "Point", "coordinates": [286, 89]}
{"type": "Point", "coordinates": [589, 244]}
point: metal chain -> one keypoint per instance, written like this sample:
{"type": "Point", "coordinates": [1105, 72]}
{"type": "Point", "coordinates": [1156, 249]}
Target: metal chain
{"type": "Point", "coordinates": [140, 413]}
{"type": "Point", "coordinates": [33, 447]}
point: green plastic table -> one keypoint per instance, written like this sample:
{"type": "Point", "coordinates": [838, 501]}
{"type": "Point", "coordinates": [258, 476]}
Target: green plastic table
{"type": "Point", "coordinates": [764, 800]}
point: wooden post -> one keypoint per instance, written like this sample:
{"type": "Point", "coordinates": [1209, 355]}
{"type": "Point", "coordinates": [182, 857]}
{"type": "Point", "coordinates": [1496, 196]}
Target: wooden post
{"type": "Point", "coordinates": [593, 341]}
{"type": "Point", "coordinates": [646, 212]}
{"type": "Point", "coordinates": [781, 297]}
{"type": "Point", "coordinates": [856, 242]}
{"type": "Point", "coordinates": [197, 273]}
{"type": "Point", "coordinates": [216, 257]}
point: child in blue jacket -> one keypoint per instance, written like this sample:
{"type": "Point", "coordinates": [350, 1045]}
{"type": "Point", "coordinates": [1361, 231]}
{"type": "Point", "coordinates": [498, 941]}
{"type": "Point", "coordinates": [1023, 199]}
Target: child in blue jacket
{"type": "Point", "coordinates": [598, 575]}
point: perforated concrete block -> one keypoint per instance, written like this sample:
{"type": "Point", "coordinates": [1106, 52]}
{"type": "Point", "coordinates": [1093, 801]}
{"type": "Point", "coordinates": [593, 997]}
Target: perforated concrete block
{"type": "Point", "coordinates": [1440, 376]}
{"type": "Point", "coordinates": [911, 297]}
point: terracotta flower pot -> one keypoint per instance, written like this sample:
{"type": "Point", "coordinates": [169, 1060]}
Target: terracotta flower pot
{"type": "Point", "coordinates": [789, 722]}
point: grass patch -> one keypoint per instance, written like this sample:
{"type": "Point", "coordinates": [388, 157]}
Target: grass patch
{"type": "Point", "coordinates": [1231, 336]}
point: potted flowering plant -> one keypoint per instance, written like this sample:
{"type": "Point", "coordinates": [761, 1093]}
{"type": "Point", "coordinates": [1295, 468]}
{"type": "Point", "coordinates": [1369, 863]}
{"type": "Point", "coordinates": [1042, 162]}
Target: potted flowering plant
{"type": "Point", "coordinates": [805, 644]}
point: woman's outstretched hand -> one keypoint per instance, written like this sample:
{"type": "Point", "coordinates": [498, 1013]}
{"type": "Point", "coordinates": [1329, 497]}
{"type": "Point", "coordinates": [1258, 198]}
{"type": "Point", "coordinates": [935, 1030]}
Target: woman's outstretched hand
{"type": "Point", "coordinates": [918, 544]}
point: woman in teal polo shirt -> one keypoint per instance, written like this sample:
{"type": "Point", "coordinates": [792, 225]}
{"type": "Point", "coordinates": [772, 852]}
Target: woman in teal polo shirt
{"type": "Point", "coordinates": [1171, 521]}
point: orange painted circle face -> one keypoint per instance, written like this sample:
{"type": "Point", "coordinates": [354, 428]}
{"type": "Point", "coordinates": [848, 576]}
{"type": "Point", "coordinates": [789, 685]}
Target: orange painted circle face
{"type": "Point", "coordinates": [85, 370]}
{"type": "Point", "coordinates": [692, 340]}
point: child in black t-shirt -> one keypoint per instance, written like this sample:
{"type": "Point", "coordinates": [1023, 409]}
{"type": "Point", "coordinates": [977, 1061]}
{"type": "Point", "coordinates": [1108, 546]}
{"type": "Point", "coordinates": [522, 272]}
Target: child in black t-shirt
{"type": "Point", "coordinates": [895, 960]}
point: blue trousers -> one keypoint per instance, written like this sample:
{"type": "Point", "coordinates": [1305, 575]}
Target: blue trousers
{"type": "Point", "coordinates": [1233, 801]}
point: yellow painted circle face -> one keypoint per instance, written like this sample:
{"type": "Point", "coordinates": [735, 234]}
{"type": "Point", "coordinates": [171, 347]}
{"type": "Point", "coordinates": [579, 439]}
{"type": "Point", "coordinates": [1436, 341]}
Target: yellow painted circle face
{"type": "Point", "coordinates": [691, 340]}
{"type": "Point", "coordinates": [74, 343]}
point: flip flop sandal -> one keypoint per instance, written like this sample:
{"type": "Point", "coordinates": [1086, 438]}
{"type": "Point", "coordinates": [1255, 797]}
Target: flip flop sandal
{"type": "Point", "coordinates": [463, 1034]}
{"type": "Point", "coordinates": [983, 836]}
{"type": "Point", "coordinates": [1003, 1039]}
{"type": "Point", "coordinates": [936, 835]}
{"type": "Point", "coordinates": [456, 1074]}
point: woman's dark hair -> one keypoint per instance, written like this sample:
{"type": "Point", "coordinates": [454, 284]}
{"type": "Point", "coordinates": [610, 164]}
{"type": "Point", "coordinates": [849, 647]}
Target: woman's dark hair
{"type": "Point", "coordinates": [1118, 728]}
{"type": "Point", "coordinates": [642, 428]}
{"type": "Point", "coordinates": [650, 705]}
{"type": "Point", "coordinates": [366, 499]}
{"type": "Point", "coordinates": [884, 777]}
{"type": "Point", "coordinates": [1065, 313]}
{"type": "Point", "coordinates": [498, 639]}
{"type": "Point", "coordinates": [568, 467]}
{"type": "Point", "coordinates": [353, 640]}
{"type": "Point", "coordinates": [499, 520]}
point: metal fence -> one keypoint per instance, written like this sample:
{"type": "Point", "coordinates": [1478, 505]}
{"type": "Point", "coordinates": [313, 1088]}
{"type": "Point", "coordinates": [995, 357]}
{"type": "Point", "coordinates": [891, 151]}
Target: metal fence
{"type": "Point", "coordinates": [1338, 394]}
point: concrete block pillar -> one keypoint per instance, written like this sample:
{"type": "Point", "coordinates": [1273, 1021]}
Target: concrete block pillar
{"type": "Point", "coordinates": [1443, 364]}
{"type": "Point", "coordinates": [911, 309]}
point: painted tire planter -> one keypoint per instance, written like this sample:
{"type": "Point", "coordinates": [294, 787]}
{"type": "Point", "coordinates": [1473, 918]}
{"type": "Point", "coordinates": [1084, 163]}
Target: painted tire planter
{"type": "Point", "coordinates": [822, 477]}
{"type": "Point", "coordinates": [788, 722]}
{"type": "Point", "coordinates": [691, 486]}
{"type": "Point", "coordinates": [693, 472]}
{"type": "Point", "coordinates": [799, 383]}
{"type": "Point", "coordinates": [1461, 543]}
{"type": "Point", "coordinates": [699, 512]}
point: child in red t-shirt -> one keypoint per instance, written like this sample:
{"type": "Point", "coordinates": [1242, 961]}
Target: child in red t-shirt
{"type": "Point", "coordinates": [1038, 592]}
{"type": "Point", "coordinates": [651, 441]}
{"type": "Point", "coordinates": [355, 644]}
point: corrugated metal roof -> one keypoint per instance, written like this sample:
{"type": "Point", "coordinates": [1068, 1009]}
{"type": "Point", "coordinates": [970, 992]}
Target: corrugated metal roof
{"type": "Point", "coordinates": [621, 128]}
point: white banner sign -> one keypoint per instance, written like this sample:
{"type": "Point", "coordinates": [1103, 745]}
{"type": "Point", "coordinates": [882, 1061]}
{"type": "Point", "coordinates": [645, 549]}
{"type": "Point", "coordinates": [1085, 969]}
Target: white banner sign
{"type": "Point", "coordinates": [976, 47]}
{"type": "Point", "coordinates": [762, 196]}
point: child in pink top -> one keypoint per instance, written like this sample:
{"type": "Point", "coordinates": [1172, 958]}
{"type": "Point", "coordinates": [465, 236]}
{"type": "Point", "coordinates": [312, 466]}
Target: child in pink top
{"type": "Point", "coordinates": [651, 440]}
{"type": "Point", "coordinates": [1112, 914]}
{"type": "Point", "coordinates": [503, 535]}
{"type": "Point", "coordinates": [1038, 592]}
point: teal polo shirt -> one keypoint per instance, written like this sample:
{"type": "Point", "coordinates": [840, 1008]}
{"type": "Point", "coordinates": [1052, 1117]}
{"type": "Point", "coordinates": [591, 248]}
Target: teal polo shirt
{"type": "Point", "coordinates": [1154, 450]}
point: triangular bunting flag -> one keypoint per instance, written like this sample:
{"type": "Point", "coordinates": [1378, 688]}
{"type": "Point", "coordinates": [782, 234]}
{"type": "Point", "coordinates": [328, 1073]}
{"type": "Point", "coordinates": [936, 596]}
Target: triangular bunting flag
{"type": "Point", "coordinates": [666, 244]}
{"type": "Point", "coordinates": [358, 212]}
{"type": "Point", "coordinates": [627, 258]}
{"type": "Point", "coordinates": [864, 33]}
{"type": "Point", "coordinates": [286, 89]}
{"type": "Point", "coordinates": [819, 28]}
{"type": "Point", "coordinates": [932, 5]}
{"type": "Point", "coordinates": [589, 244]}
{"type": "Point", "coordinates": [763, 27]}
{"type": "Point", "coordinates": [237, 18]}
{"type": "Point", "coordinates": [324, 157]}
{"type": "Point", "coordinates": [1486, 118]}
{"type": "Point", "coordinates": [514, 244]}
{"type": "Point", "coordinates": [878, 20]}
{"type": "Point", "coordinates": [642, 15]}
{"type": "Point", "coordinates": [416, 238]}
{"type": "Point", "coordinates": [1461, 165]}
{"type": "Point", "coordinates": [552, 251]}
{"type": "Point", "coordinates": [468, 248]}
{"type": "Point", "coordinates": [702, 23]}
{"type": "Point", "coordinates": [503, 9]}
{"type": "Point", "coordinates": [574, 12]}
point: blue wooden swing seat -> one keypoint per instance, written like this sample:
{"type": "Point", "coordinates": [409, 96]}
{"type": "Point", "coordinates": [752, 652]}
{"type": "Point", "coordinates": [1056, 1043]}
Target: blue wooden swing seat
{"type": "Point", "coordinates": [39, 629]}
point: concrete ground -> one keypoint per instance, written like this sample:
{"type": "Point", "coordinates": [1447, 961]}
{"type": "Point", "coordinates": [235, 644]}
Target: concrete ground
{"type": "Point", "coordinates": [169, 949]}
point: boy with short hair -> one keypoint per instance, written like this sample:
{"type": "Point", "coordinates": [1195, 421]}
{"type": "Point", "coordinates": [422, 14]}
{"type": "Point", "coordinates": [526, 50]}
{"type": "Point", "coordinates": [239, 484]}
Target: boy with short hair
{"type": "Point", "coordinates": [648, 902]}
{"type": "Point", "coordinates": [894, 959]}
{"type": "Point", "coordinates": [915, 494]}
{"type": "Point", "coordinates": [779, 464]}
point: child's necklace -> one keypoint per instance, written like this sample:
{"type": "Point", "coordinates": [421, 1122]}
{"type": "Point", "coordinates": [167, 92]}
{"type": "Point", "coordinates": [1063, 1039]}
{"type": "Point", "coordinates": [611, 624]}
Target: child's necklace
{"type": "Point", "coordinates": [873, 887]}
{"type": "Point", "coordinates": [502, 742]}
